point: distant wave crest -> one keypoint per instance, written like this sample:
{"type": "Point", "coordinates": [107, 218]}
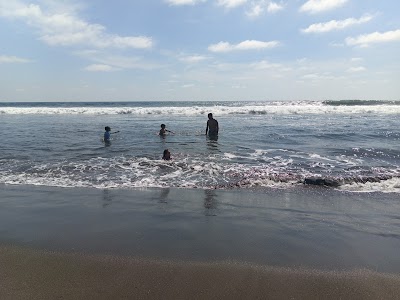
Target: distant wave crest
{"type": "Point", "coordinates": [360, 102]}
{"type": "Point", "coordinates": [219, 109]}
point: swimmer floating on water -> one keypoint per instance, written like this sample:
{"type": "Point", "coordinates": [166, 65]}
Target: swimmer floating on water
{"type": "Point", "coordinates": [166, 155]}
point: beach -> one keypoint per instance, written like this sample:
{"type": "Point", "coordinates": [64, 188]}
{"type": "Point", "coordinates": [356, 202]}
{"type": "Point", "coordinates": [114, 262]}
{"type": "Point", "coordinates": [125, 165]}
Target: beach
{"type": "Point", "coordinates": [194, 149]}
{"type": "Point", "coordinates": [292, 200]}
{"type": "Point", "coordinates": [309, 243]}
{"type": "Point", "coordinates": [31, 274]}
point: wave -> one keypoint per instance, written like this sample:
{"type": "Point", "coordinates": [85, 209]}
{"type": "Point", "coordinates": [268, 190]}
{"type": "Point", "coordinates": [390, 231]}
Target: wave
{"type": "Point", "coordinates": [219, 109]}
{"type": "Point", "coordinates": [360, 102]}
{"type": "Point", "coordinates": [131, 172]}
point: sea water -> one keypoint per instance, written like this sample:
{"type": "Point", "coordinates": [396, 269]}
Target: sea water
{"type": "Point", "coordinates": [272, 144]}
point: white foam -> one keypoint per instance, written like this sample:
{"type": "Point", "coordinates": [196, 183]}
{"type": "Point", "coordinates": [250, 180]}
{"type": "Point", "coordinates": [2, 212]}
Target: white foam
{"type": "Point", "coordinates": [384, 186]}
{"type": "Point", "coordinates": [229, 156]}
{"type": "Point", "coordinates": [265, 108]}
{"type": "Point", "coordinates": [133, 172]}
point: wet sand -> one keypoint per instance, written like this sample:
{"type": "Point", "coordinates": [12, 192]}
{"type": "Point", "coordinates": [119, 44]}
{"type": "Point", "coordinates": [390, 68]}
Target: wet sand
{"type": "Point", "coordinates": [33, 274]}
{"type": "Point", "coordinates": [313, 243]}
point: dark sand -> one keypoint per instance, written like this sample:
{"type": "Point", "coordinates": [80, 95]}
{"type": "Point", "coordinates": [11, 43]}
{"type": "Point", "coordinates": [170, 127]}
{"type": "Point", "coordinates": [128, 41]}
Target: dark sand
{"type": "Point", "coordinates": [311, 243]}
{"type": "Point", "coordinates": [29, 274]}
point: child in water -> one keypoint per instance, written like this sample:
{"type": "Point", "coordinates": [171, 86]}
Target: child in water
{"type": "Point", "coordinates": [166, 155]}
{"type": "Point", "coordinates": [163, 130]}
{"type": "Point", "coordinates": [107, 134]}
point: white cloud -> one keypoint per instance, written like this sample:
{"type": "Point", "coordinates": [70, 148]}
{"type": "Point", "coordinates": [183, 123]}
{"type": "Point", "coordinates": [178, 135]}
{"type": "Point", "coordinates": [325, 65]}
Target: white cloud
{"type": "Point", "coordinates": [259, 7]}
{"type": "Point", "coordinates": [311, 76]}
{"type": "Point", "coordinates": [316, 6]}
{"type": "Point", "coordinates": [193, 58]}
{"type": "Point", "coordinates": [12, 59]}
{"type": "Point", "coordinates": [100, 68]}
{"type": "Point", "coordinates": [336, 25]}
{"type": "Point", "coordinates": [238, 86]}
{"type": "Point", "coordinates": [221, 47]}
{"type": "Point", "coordinates": [274, 7]}
{"type": "Point", "coordinates": [67, 29]}
{"type": "Point", "coordinates": [117, 61]}
{"type": "Point", "coordinates": [184, 2]}
{"type": "Point", "coordinates": [231, 3]}
{"type": "Point", "coordinates": [266, 65]}
{"type": "Point", "coordinates": [374, 38]}
{"type": "Point", "coordinates": [318, 76]}
{"type": "Point", "coordinates": [189, 85]}
{"type": "Point", "coordinates": [255, 11]}
{"type": "Point", "coordinates": [335, 44]}
{"type": "Point", "coordinates": [356, 69]}
{"type": "Point", "coordinates": [245, 45]}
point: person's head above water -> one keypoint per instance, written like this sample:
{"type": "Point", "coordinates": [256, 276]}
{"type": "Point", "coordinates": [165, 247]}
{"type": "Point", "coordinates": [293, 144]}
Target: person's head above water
{"type": "Point", "coordinates": [210, 116]}
{"type": "Point", "coordinates": [166, 155]}
{"type": "Point", "coordinates": [107, 128]}
{"type": "Point", "coordinates": [162, 126]}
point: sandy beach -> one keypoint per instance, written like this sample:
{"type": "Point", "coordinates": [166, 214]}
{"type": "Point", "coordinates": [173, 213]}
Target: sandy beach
{"type": "Point", "coordinates": [32, 274]}
{"type": "Point", "coordinates": [197, 244]}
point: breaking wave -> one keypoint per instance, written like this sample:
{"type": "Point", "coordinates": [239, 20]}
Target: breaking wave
{"type": "Point", "coordinates": [202, 108]}
{"type": "Point", "coordinates": [360, 102]}
{"type": "Point", "coordinates": [125, 172]}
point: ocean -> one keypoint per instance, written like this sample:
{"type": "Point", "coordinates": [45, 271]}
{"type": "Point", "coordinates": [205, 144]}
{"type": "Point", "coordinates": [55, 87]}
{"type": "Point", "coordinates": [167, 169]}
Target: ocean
{"type": "Point", "coordinates": [348, 145]}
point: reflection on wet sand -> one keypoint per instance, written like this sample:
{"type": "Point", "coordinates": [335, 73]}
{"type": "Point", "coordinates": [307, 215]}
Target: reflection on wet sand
{"type": "Point", "coordinates": [210, 202]}
{"type": "Point", "coordinates": [164, 195]}
{"type": "Point", "coordinates": [107, 198]}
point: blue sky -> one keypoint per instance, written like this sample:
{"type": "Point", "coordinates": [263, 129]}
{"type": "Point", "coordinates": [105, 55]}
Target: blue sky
{"type": "Point", "coordinates": [75, 50]}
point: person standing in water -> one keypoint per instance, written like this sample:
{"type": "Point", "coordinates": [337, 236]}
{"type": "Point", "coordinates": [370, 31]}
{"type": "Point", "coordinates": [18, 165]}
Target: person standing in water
{"type": "Point", "coordinates": [163, 130]}
{"type": "Point", "coordinates": [212, 126]}
{"type": "Point", "coordinates": [107, 134]}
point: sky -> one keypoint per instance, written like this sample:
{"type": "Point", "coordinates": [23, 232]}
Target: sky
{"type": "Point", "coordinates": [193, 50]}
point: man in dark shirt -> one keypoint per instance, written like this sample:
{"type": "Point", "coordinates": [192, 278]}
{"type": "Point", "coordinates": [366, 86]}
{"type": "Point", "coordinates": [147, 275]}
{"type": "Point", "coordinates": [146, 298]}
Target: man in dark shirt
{"type": "Point", "coordinates": [212, 126]}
